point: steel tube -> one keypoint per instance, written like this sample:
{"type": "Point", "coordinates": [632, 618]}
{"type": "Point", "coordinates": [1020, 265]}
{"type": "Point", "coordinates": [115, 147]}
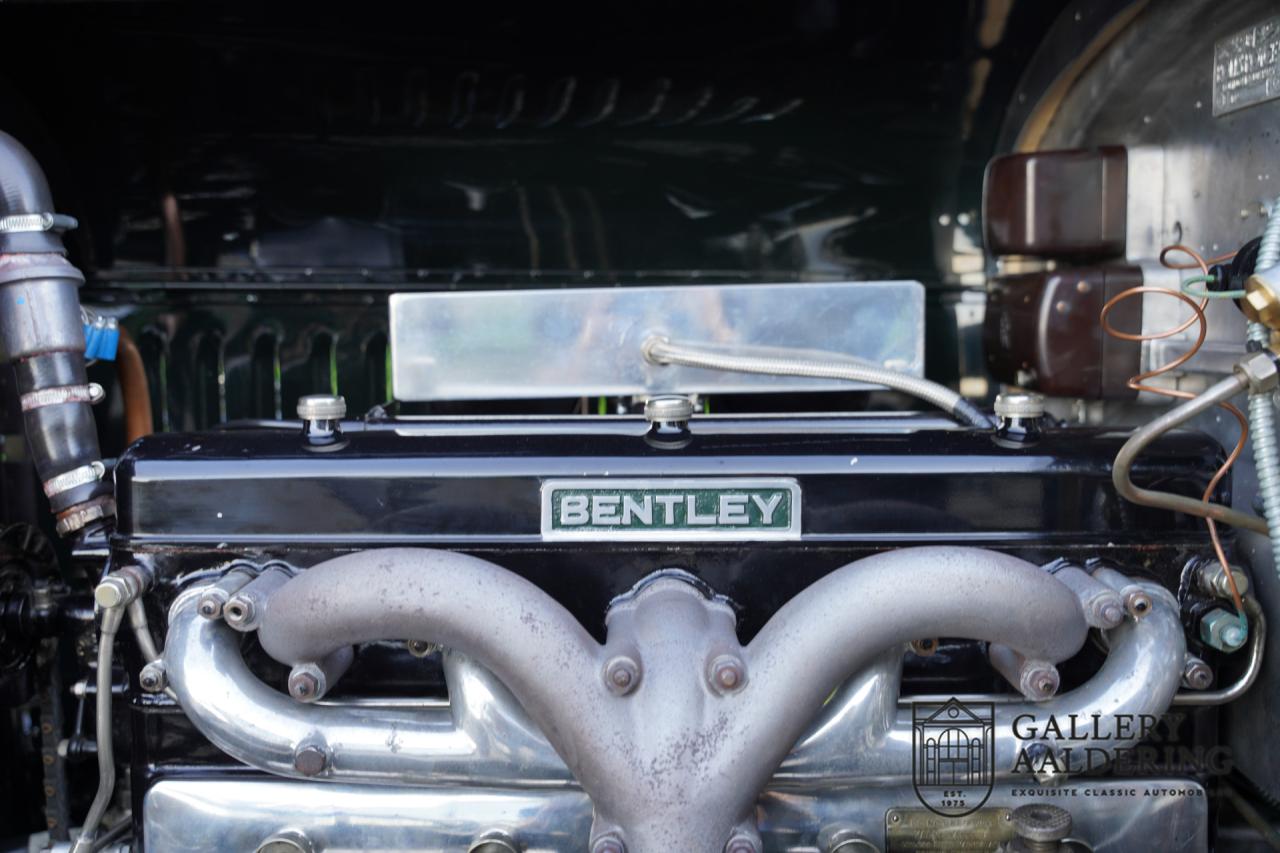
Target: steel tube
{"type": "Point", "coordinates": [1141, 675]}
{"type": "Point", "coordinates": [482, 735]}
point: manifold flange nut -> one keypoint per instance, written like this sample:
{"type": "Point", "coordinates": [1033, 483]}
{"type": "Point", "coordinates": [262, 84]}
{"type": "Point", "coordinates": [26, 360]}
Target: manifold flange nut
{"type": "Point", "coordinates": [727, 674]}
{"type": "Point", "coordinates": [306, 683]}
{"type": "Point", "coordinates": [622, 674]}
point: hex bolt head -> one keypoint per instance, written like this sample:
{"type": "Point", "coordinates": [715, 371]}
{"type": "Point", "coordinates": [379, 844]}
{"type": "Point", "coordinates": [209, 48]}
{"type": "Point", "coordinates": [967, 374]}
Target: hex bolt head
{"type": "Point", "coordinates": [727, 673]}
{"type": "Point", "coordinates": [610, 843]}
{"type": "Point", "coordinates": [742, 843]}
{"type": "Point", "coordinates": [310, 760]}
{"type": "Point", "coordinates": [304, 686]}
{"type": "Point", "coordinates": [152, 678]}
{"type": "Point", "coordinates": [1223, 631]}
{"type": "Point", "coordinates": [621, 674]}
{"type": "Point", "coordinates": [114, 591]}
{"type": "Point", "coordinates": [240, 611]}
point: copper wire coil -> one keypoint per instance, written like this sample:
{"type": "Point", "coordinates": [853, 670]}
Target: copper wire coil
{"type": "Point", "coordinates": [1137, 382]}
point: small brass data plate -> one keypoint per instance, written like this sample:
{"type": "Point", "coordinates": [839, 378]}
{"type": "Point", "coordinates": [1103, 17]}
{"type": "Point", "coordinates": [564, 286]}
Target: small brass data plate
{"type": "Point", "coordinates": [922, 831]}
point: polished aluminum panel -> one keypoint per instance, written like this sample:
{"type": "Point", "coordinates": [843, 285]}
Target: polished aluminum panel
{"type": "Point", "coordinates": [199, 816]}
{"type": "Point", "coordinates": [521, 344]}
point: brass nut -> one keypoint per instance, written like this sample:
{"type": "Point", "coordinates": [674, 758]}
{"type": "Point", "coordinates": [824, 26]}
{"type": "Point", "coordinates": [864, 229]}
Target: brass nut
{"type": "Point", "coordinates": [1261, 303]}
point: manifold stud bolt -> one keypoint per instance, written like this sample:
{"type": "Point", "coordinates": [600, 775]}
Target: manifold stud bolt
{"type": "Point", "coordinates": [727, 673]}
{"type": "Point", "coordinates": [621, 674]}
{"type": "Point", "coordinates": [1138, 603]}
{"type": "Point", "coordinates": [152, 678]}
{"type": "Point", "coordinates": [610, 843]}
{"type": "Point", "coordinates": [310, 760]}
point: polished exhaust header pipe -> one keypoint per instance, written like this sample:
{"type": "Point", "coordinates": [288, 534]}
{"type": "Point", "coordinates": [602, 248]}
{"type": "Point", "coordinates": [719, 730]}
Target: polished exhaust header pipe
{"type": "Point", "coordinates": [671, 726]}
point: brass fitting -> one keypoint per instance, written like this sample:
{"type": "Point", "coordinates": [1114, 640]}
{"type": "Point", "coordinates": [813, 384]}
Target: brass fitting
{"type": "Point", "coordinates": [1261, 302]}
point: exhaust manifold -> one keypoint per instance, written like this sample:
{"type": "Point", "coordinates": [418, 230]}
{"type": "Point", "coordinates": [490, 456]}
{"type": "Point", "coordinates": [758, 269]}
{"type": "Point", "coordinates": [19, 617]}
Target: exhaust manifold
{"type": "Point", "coordinates": [672, 727]}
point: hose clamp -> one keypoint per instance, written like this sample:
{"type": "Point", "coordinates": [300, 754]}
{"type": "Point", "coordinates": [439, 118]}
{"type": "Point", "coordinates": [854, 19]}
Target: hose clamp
{"type": "Point", "coordinates": [91, 393]}
{"type": "Point", "coordinates": [76, 477]}
{"type": "Point", "coordinates": [25, 223]}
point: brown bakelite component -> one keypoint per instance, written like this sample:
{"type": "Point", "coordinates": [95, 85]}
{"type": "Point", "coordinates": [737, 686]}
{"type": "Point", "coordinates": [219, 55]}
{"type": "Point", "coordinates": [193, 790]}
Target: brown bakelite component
{"type": "Point", "coordinates": [1042, 332]}
{"type": "Point", "coordinates": [1057, 204]}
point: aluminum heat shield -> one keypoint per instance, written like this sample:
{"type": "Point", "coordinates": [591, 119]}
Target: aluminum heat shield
{"type": "Point", "coordinates": [520, 344]}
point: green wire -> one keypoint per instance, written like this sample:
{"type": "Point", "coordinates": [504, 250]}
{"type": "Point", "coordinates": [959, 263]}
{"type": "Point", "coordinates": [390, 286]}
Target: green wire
{"type": "Point", "coordinates": [1208, 294]}
{"type": "Point", "coordinates": [602, 406]}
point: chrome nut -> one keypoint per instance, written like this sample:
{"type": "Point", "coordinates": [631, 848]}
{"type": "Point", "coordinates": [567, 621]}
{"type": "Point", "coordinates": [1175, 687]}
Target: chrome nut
{"type": "Point", "coordinates": [1261, 371]}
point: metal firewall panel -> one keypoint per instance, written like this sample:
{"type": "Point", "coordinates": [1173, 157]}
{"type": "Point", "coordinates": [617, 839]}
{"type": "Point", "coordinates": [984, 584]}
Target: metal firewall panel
{"type": "Point", "coordinates": [521, 344]}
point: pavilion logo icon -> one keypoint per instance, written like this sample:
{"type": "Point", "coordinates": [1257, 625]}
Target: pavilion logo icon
{"type": "Point", "coordinates": [953, 755]}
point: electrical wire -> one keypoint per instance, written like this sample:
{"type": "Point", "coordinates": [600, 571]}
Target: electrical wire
{"type": "Point", "coordinates": [1138, 382]}
{"type": "Point", "coordinates": [1208, 294]}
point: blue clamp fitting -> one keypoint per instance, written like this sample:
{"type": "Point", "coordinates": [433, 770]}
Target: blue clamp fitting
{"type": "Point", "coordinates": [101, 336]}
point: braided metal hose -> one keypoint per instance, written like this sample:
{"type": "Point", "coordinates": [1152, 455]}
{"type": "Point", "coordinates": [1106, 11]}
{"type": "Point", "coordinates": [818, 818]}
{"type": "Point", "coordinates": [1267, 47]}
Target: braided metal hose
{"type": "Point", "coordinates": [778, 362]}
{"type": "Point", "coordinates": [1262, 412]}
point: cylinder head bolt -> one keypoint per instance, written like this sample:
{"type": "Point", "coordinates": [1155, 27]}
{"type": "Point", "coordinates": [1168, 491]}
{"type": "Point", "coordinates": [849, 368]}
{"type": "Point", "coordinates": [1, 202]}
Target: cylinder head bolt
{"type": "Point", "coordinates": [1020, 415]}
{"type": "Point", "coordinates": [668, 418]}
{"type": "Point", "coordinates": [322, 416]}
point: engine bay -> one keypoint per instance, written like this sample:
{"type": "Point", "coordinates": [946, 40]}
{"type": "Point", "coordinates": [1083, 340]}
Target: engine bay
{"type": "Point", "coordinates": [805, 428]}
